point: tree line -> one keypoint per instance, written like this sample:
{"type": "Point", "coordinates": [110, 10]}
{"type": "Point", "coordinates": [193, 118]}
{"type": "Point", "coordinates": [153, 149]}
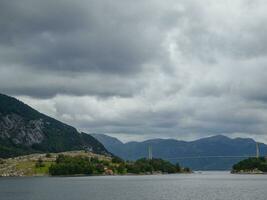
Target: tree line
{"type": "Point", "coordinates": [251, 164]}
{"type": "Point", "coordinates": [69, 165]}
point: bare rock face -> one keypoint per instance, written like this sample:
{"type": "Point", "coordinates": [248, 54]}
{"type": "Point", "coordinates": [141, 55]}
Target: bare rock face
{"type": "Point", "coordinates": [24, 130]}
{"type": "Point", "coordinates": [20, 130]}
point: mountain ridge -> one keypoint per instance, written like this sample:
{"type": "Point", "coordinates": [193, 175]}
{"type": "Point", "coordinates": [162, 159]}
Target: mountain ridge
{"type": "Point", "coordinates": [24, 130]}
{"type": "Point", "coordinates": [211, 147]}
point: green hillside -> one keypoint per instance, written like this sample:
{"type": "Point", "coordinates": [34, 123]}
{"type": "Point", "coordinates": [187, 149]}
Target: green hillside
{"type": "Point", "coordinates": [24, 130]}
{"type": "Point", "coordinates": [251, 165]}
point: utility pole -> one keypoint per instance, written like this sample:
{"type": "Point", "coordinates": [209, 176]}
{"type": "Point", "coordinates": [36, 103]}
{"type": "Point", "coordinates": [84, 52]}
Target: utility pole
{"type": "Point", "coordinates": [257, 150]}
{"type": "Point", "coordinates": [150, 156]}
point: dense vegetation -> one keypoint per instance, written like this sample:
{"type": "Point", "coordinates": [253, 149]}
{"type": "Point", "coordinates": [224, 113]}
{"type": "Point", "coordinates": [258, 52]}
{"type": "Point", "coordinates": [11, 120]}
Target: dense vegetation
{"type": "Point", "coordinates": [154, 165]}
{"type": "Point", "coordinates": [20, 135]}
{"type": "Point", "coordinates": [251, 164]}
{"type": "Point", "coordinates": [67, 165]}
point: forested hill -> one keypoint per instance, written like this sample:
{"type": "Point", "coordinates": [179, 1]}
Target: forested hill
{"type": "Point", "coordinates": [24, 130]}
{"type": "Point", "coordinates": [251, 166]}
{"type": "Point", "coordinates": [181, 151]}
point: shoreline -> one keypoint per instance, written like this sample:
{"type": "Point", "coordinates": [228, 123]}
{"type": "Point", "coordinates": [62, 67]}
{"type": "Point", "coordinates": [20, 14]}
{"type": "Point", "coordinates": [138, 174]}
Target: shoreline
{"type": "Point", "coordinates": [249, 173]}
{"type": "Point", "coordinates": [93, 175]}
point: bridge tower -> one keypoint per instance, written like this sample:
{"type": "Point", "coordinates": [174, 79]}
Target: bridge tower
{"type": "Point", "coordinates": [150, 156]}
{"type": "Point", "coordinates": [257, 150]}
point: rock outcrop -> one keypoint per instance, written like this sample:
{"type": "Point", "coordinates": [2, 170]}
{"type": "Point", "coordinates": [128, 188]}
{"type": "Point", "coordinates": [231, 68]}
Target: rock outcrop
{"type": "Point", "coordinates": [24, 130]}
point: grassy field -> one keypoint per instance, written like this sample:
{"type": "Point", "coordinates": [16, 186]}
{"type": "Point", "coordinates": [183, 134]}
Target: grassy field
{"type": "Point", "coordinates": [29, 168]}
{"type": "Point", "coordinates": [26, 165]}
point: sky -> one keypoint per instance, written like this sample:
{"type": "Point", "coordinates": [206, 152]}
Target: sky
{"type": "Point", "coordinates": [137, 70]}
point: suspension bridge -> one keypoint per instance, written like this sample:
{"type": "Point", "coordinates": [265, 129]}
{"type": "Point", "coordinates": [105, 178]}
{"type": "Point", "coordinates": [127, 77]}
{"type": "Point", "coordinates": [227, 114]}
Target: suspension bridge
{"type": "Point", "coordinates": [257, 154]}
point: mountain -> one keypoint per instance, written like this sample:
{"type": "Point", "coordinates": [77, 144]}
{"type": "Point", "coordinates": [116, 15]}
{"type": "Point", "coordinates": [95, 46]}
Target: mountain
{"type": "Point", "coordinates": [108, 140]}
{"type": "Point", "coordinates": [110, 143]}
{"type": "Point", "coordinates": [187, 153]}
{"type": "Point", "coordinates": [24, 130]}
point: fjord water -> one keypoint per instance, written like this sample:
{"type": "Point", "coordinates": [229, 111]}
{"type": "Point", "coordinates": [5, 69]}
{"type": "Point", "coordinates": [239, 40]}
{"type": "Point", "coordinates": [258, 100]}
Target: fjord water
{"type": "Point", "coordinates": [199, 186]}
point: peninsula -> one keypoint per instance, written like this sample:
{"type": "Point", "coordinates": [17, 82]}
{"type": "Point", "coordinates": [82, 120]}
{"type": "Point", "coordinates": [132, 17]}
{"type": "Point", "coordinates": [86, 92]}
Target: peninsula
{"type": "Point", "coordinates": [83, 163]}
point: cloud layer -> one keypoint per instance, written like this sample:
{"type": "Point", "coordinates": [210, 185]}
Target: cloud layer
{"type": "Point", "coordinates": [140, 69]}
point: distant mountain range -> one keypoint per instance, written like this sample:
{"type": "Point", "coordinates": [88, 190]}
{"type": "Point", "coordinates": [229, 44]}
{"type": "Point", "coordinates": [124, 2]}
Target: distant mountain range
{"type": "Point", "coordinates": [215, 153]}
{"type": "Point", "coordinates": [24, 130]}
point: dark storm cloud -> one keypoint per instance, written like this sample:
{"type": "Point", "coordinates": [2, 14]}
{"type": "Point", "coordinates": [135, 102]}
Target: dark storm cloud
{"type": "Point", "coordinates": [46, 84]}
{"type": "Point", "coordinates": [153, 68]}
{"type": "Point", "coordinates": [78, 36]}
{"type": "Point", "coordinates": [69, 41]}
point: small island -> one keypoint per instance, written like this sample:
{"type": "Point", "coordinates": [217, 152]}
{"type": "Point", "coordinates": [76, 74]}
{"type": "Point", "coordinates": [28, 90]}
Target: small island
{"type": "Point", "coordinates": [84, 163]}
{"type": "Point", "coordinates": [251, 166]}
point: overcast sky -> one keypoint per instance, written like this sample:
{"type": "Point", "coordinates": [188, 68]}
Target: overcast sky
{"type": "Point", "coordinates": [139, 69]}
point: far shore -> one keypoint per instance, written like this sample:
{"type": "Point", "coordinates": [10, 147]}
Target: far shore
{"type": "Point", "coordinates": [39, 165]}
{"type": "Point", "coordinates": [249, 173]}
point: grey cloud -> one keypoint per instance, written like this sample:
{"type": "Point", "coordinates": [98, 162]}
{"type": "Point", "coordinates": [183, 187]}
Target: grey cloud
{"type": "Point", "coordinates": [182, 69]}
{"type": "Point", "coordinates": [219, 30]}
{"type": "Point", "coordinates": [93, 46]}
{"type": "Point", "coordinates": [46, 85]}
{"type": "Point", "coordinates": [79, 36]}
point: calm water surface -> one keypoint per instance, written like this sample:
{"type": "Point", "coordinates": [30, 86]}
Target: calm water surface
{"type": "Point", "coordinates": [204, 186]}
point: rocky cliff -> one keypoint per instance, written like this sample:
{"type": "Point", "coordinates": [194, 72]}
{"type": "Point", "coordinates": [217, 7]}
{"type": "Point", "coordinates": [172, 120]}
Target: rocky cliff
{"type": "Point", "coordinates": [24, 130]}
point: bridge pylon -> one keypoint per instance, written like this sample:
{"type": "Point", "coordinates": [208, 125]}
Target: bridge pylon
{"type": "Point", "coordinates": [150, 156]}
{"type": "Point", "coordinates": [257, 150]}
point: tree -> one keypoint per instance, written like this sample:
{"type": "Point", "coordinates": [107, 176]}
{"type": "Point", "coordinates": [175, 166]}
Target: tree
{"type": "Point", "coordinates": [39, 163]}
{"type": "Point", "coordinates": [178, 167]}
{"type": "Point", "coordinates": [116, 159]}
{"type": "Point", "coordinates": [48, 155]}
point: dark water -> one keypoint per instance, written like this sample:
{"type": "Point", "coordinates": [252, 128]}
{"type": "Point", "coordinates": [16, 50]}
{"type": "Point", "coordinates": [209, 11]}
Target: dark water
{"type": "Point", "coordinates": [205, 186]}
